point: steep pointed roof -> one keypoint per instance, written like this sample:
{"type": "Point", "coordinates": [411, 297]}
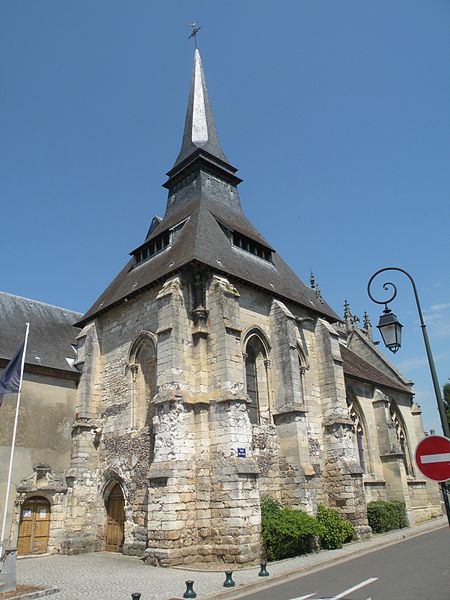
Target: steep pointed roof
{"type": "Point", "coordinates": [204, 223]}
{"type": "Point", "coordinates": [199, 126]}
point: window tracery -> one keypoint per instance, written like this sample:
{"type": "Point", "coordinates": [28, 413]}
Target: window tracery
{"type": "Point", "coordinates": [360, 436]}
{"type": "Point", "coordinates": [143, 373]}
{"type": "Point", "coordinates": [257, 365]}
{"type": "Point", "coordinates": [400, 430]}
{"type": "Point", "coordinates": [302, 369]}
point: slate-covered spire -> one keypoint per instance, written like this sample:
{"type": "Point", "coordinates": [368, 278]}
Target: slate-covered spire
{"type": "Point", "coordinates": [204, 224]}
{"type": "Point", "coordinates": [199, 126]}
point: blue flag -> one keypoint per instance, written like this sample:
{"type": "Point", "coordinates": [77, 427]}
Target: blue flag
{"type": "Point", "coordinates": [10, 379]}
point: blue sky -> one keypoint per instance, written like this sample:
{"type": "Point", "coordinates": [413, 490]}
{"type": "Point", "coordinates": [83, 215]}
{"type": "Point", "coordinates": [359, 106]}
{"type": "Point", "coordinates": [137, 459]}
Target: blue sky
{"type": "Point", "coordinates": [335, 113]}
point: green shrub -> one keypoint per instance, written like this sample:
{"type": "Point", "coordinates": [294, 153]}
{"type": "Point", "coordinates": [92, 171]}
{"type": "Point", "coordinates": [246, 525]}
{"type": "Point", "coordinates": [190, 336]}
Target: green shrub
{"type": "Point", "coordinates": [334, 530]}
{"type": "Point", "coordinates": [286, 532]}
{"type": "Point", "coordinates": [385, 516]}
{"type": "Point", "coordinates": [269, 506]}
{"type": "Point", "coordinates": [399, 509]}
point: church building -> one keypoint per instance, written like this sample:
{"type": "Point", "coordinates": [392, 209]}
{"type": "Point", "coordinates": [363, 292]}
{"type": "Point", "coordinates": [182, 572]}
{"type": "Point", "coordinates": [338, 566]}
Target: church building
{"type": "Point", "coordinates": [209, 375]}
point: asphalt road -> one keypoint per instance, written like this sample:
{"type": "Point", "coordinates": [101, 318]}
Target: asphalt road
{"type": "Point", "coordinates": [415, 569]}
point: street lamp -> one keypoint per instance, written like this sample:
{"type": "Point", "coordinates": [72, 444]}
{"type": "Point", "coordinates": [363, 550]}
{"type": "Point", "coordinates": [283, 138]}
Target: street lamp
{"type": "Point", "coordinates": [390, 329]}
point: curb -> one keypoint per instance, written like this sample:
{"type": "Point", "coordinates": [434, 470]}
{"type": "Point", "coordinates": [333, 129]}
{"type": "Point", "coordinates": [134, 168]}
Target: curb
{"type": "Point", "coordinates": [244, 589]}
{"type": "Point", "coordinates": [39, 594]}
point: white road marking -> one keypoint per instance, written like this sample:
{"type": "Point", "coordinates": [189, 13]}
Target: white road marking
{"type": "Point", "coordinates": [435, 458]}
{"type": "Point", "coordinates": [355, 587]}
{"type": "Point", "coordinates": [304, 597]}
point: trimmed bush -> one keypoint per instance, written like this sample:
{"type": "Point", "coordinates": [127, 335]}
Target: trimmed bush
{"type": "Point", "coordinates": [334, 530]}
{"type": "Point", "coordinates": [398, 507]}
{"type": "Point", "coordinates": [286, 532]}
{"type": "Point", "coordinates": [386, 515]}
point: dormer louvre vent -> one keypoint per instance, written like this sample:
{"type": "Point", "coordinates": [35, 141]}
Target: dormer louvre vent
{"type": "Point", "coordinates": [157, 244]}
{"type": "Point", "coordinates": [243, 242]}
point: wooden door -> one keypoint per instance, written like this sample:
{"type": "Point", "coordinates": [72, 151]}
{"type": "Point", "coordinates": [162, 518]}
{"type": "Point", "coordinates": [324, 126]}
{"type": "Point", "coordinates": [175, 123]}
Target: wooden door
{"type": "Point", "coordinates": [34, 526]}
{"type": "Point", "coordinates": [115, 509]}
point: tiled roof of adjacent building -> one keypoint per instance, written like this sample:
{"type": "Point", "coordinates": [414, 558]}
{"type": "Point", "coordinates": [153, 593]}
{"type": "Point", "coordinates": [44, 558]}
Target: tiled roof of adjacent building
{"type": "Point", "coordinates": [355, 366]}
{"type": "Point", "coordinates": [51, 331]}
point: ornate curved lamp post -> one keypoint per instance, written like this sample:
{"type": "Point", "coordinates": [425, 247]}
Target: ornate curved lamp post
{"type": "Point", "coordinates": [391, 329]}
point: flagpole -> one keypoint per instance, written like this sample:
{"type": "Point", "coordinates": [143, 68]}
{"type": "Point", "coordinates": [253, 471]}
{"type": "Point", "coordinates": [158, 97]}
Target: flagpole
{"type": "Point", "coordinates": [13, 443]}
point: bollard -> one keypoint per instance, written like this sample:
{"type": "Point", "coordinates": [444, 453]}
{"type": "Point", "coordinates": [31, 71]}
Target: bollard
{"type": "Point", "coordinates": [189, 593]}
{"type": "Point", "coordinates": [136, 596]}
{"type": "Point", "coordinates": [263, 571]}
{"type": "Point", "coordinates": [229, 579]}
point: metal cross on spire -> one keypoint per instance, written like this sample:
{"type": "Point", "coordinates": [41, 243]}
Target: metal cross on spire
{"type": "Point", "coordinates": [194, 33]}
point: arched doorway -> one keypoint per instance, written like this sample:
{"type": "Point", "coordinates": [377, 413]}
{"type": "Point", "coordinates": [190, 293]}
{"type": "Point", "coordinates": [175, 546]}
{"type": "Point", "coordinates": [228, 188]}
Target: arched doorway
{"type": "Point", "coordinates": [34, 526]}
{"type": "Point", "coordinates": [115, 509]}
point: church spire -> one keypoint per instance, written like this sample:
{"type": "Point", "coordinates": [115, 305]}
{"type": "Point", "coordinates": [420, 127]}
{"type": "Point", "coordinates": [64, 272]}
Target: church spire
{"type": "Point", "coordinates": [204, 225]}
{"type": "Point", "coordinates": [199, 125]}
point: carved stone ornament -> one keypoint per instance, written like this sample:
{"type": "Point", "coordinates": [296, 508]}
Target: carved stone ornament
{"type": "Point", "coordinates": [200, 316]}
{"type": "Point", "coordinates": [42, 479]}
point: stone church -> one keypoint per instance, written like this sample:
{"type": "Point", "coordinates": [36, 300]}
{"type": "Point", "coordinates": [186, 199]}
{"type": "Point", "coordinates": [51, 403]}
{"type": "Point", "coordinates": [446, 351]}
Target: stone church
{"type": "Point", "coordinates": [208, 375]}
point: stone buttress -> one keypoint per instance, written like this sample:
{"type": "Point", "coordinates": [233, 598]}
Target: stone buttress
{"type": "Point", "coordinates": [343, 482]}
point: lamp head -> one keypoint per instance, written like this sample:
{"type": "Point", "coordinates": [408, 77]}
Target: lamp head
{"type": "Point", "coordinates": [391, 330]}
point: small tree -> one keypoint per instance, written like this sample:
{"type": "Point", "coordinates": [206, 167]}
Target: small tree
{"type": "Point", "coordinates": [446, 390]}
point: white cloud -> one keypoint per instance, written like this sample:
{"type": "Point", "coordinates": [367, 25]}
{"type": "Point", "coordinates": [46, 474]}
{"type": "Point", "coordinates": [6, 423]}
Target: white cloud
{"type": "Point", "coordinates": [440, 307]}
{"type": "Point", "coordinates": [410, 364]}
{"type": "Point", "coordinates": [438, 317]}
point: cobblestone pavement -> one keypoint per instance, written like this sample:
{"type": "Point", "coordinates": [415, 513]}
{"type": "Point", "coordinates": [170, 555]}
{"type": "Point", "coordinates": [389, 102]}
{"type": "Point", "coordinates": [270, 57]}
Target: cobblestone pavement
{"type": "Point", "coordinates": [105, 575]}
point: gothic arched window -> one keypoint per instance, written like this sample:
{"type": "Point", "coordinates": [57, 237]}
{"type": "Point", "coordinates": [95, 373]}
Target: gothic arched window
{"type": "Point", "coordinates": [302, 368]}
{"type": "Point", "coordinates": [360, 436]}
{"type": "Point", "coordinates": [256, 376]}
{"type": "Point", "coordinates": [401, 436]}
{"type": "Point", "coordinates": [143, 370]}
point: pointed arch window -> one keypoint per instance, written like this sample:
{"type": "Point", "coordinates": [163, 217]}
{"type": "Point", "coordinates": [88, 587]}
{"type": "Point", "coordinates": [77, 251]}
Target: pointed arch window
{"type": "Point", "coordinates": [256, 377]}
{"type": "Point", "coordinates": [400, 430]}
{"type": "Point", "coordinates": [143, 370]}
{"type": "Point", "coordinates": [360, 436]}
{"type": "Point", "coordinates": [302, 368]}
{"type": "Point", "coordinates": [252, 385]}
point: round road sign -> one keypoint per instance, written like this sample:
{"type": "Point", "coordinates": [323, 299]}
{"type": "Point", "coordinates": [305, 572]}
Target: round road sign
{"type": "Point", "coordinates": [433, 457]}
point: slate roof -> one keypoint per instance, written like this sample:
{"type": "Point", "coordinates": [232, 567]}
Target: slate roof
{"type": "Point", "coordinates": [51, 331]}
{"type": "Point", "coordinates": [355, 366]}
{"type": "Point", "coordinates": [202, 189]}
{"type": "Point", "coordinates": [199, 126]}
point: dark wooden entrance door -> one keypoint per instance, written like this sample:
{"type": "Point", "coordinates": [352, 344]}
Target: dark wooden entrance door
{"type": "Point", "coordinates": [34, 526]}
{"type": "Point", "coordinates": [116, 518]}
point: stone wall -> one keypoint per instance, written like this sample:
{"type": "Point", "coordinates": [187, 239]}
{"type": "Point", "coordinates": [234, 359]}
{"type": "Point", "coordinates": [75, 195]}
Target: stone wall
{"type": "Point", "coordinates": [193, 469]}
{"type": "Point", "coordinates": [342, 472]}
{"type": "Point", "coordinates": [390, 470]}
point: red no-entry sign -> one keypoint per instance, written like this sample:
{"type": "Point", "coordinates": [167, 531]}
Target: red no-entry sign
{"type": "Point", "coordinates": [433, 457]}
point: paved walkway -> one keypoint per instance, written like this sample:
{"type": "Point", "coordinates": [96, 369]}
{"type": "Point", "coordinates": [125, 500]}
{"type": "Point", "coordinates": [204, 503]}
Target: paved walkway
{"type": "Point", "coordinates": [104, 575]}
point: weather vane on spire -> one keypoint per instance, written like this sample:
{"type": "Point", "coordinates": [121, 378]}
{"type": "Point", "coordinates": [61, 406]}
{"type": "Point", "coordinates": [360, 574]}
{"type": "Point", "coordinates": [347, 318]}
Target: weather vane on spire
{"type": "Point", "coordinates": [194, 33]}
